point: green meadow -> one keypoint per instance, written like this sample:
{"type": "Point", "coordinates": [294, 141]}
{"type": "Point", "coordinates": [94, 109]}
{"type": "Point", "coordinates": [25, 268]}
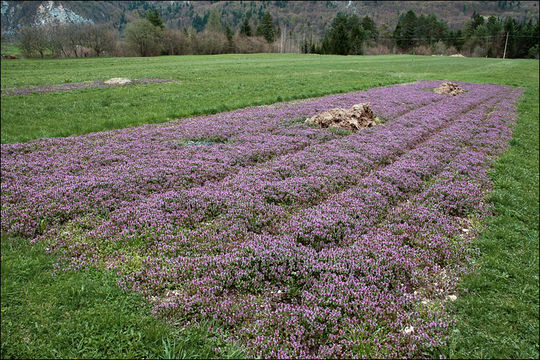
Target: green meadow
{"type": "Point", "coordinates": [496, 313]}
{"type": "Point", "coordinates": [210, 84]}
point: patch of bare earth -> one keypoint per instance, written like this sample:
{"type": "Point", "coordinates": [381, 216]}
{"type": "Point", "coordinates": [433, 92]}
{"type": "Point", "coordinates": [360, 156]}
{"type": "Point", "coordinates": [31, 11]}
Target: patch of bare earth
{"type": "Point", "coordinates": [449, 88]}
{"type": "Point", "coordinates": [356, 118]}
{"type": "Point", "coordinates": [81, 85]}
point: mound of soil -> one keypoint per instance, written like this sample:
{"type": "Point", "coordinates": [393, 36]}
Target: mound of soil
{"type": "Point", "coordinates": [449, 88]}
{"type": "Point", "coordinates": [358, 117]}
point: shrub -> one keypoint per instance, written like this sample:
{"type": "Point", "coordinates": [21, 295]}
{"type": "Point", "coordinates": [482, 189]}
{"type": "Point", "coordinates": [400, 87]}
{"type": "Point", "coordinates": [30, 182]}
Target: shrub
{"type": "Point", "coordinates": [252, 44]}
{"type": "Point", "coordinates": [533, 52]}
{"type": "Point", "coordinates": [143, 37]}
{"type": "Point", "coordinates": [440, 48]}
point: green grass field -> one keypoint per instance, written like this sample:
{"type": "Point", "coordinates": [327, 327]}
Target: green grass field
{"type": "Point", "coordinates": [210, 84]}
{"type": "Point", "coordinates": [497, 314]}
{"type": "Point", "coordinates": [10, 48]}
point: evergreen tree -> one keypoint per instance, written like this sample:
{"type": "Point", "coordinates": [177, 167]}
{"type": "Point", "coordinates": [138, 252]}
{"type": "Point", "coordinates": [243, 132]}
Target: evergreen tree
{"type": "Point", "coordinates": [346, 36]}
{"type": "Point", "coordinates": [214, 22]}
{"type": "Point", "coordinates": [339, 38]}
{"type": "Point", "coordinates": [229, 35]}
{"type": "Point", "coordinates": [154, 18]}
{"type": "Point", "coordinates": [458, 39]}
{"type": "Point", "coordinates": [266, 28]}
{"type": "Point", "coordinates": [430, 30]}
{"type": "Point", "coordinates": [370, 27]}
{"type": "Point", "coordinates": [325, 46]}
{"type": "Point", "coordinates": [477, 20]}
{"type": "Point", "coordinates": [406, 30]}
{"type": "Point", "coordinates": [510, 28]}
{"type": "Point", "coordinates": [494, 25]}
{"type": "Point", "coordinates": [245, 30]}
{"type": "Point", "coordinates": [199, 23]}
{"type": "Point", "coordinates": [357, 35]}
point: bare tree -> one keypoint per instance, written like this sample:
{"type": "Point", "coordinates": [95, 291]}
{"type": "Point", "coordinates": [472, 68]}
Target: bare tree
{"type": "Point", "coordinates": [54, 37]}
{"type": "Point", "coordinates": [99, 38]}
{"type": "Point", "coordinates": [32, 41]}
{"type": "Point", "coordinates": [73, 38]}
{"type": "Point", "coordinates": [173, 41]}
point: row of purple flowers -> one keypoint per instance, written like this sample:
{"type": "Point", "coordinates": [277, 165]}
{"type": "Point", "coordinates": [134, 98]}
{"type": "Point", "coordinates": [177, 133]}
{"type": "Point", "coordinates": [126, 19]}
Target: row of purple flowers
{"type": "Point", "coordinates": [300, 242]}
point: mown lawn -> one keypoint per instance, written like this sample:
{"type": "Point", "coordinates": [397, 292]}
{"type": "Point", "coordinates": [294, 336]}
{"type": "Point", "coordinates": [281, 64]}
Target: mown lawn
{"type": "Point", "coordinates": [65, 316]}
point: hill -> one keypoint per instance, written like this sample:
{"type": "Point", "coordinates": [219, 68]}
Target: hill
{"type": "Point", "coordinates": [300, 17]}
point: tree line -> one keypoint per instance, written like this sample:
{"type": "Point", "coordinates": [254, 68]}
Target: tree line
{"type": "Point", "coordinates": [146, 36]}
{"type": "Point", "coordinates": [428, 35]}
{"type": "Point", "coordinates": [346, 35]}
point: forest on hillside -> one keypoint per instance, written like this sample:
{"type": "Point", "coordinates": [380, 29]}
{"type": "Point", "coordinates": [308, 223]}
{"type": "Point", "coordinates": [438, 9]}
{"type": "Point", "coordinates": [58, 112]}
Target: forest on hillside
{"type": "Point", "coordinates": [346, 35]}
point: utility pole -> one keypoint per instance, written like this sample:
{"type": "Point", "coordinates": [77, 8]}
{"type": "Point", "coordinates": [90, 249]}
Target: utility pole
{"type": "Point", "coordinates": [505, 43]}
{"type": "Point", "coordinates": [282, 38]}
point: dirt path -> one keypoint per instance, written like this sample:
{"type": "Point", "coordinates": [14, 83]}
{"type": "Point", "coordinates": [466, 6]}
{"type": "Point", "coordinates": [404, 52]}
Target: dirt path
{"type": "Point", "coordinates": [11, 91]}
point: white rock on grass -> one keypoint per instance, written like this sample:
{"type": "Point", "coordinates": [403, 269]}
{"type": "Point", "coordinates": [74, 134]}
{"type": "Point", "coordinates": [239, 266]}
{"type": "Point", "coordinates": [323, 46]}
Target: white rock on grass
{"type": "Point", "coordinates": [118, 81]}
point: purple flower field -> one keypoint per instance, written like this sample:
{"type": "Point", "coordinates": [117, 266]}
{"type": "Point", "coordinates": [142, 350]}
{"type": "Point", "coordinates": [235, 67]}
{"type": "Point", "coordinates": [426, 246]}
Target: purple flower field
{"type": "Point", "coordinates": [298, 241]}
